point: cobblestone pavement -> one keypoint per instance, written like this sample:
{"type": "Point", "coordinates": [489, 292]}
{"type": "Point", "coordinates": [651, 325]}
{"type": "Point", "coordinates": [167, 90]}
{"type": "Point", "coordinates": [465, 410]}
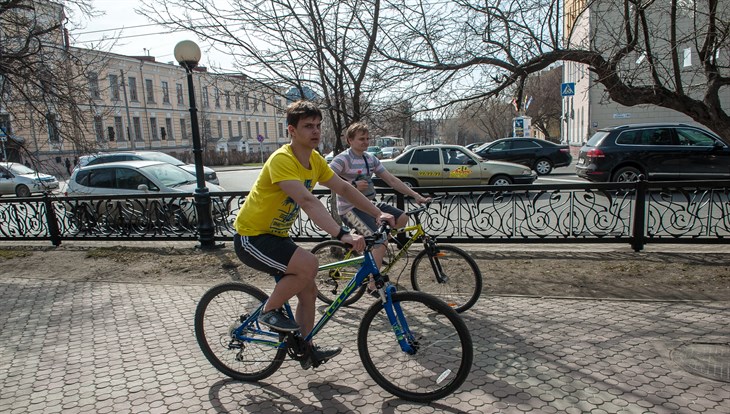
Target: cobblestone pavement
{"type": "Point", "coordinates": [81, 347]}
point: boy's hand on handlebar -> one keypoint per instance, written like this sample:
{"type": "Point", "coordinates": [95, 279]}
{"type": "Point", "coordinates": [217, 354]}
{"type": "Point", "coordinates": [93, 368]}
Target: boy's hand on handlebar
{"type": "Point", "coordinates": [388, 218]}
{"type": "Point", "coordinates": [355, 240]}
{"type": "Point", "coordinates": [423, 200]}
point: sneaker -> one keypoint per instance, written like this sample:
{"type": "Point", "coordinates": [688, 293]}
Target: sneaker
{"type": "Point", "coordinates": [276, 320]}
{"type": "Point", "coordinates": [319, 355]}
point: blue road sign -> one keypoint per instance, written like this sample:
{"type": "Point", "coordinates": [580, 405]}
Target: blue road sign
{"type": "Point", "coordinates": [567, 89]}
{"type": "Point", "coordinates": [260, 138]}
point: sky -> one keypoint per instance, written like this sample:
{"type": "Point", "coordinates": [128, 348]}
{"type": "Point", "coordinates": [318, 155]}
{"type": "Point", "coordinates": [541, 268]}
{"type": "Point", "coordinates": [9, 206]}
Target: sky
{"type": "Point", "coordinates": [136, 35]}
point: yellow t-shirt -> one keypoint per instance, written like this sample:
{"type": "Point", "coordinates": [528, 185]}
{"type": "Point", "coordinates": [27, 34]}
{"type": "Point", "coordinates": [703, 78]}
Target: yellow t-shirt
{"type": "Point", "coordinates": [268, 209]}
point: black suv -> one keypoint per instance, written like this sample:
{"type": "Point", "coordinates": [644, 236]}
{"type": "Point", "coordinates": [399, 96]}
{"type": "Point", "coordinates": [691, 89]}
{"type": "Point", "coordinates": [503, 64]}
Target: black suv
{"type": "Point", "coordinates": [538, 154]}
{"type": "Point", "coordinates": [658, 151]}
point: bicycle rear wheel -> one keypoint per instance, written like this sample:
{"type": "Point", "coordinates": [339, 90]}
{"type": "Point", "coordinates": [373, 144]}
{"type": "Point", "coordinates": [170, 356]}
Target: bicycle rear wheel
{"type": "Point", "coordinates": [443, 344]}
{"type": "Point", "coordinates": [463, 283]}
{"type": "Point", "coordinates": [330, 283]}
{"type": "Point", "coordinates": [223, 308]}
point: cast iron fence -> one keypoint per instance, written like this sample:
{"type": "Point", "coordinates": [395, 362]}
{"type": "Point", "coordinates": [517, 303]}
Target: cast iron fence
{"type": "Point", "coordinates": [634, 213]}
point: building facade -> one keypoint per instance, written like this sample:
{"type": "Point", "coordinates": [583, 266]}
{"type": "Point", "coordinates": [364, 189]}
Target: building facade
{"type": "Point", "coordinates": [595, 26]}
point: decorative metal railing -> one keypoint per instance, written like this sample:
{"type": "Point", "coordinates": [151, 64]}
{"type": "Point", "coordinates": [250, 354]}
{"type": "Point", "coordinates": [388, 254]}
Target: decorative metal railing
{"type": "Point", "coordinates": [635, 213]}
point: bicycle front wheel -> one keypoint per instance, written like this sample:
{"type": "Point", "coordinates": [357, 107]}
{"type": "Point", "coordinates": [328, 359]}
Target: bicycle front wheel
{"type": "Point", "coordinates": [331, 282]}
{"type": "Point", "coordinates": [223, 308]}
{"type": "Point", "coordinates": [461, 282]}
{"type": "Point", "coordinates": [442, 343]}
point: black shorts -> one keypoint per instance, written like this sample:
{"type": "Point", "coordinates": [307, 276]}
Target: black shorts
{"type": "Point", "coordinates": [265, 252]}
{"type": "Point", "coordinates": [363, 223]}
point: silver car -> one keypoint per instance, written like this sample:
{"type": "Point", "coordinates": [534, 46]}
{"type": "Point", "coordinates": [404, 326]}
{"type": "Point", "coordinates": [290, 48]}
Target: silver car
{"type": "Point", "coordinates": [139, 178]}
{"type": "Point", "coordinates": [22, 181]}
{"type": "Point", "coordinates": [105, 157]}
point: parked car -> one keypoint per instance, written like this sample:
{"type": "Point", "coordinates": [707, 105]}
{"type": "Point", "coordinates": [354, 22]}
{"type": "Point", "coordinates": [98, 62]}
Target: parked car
{"type": "Point", "coordinates": [22, 181]}
{"type": "Point", "coordinates": [137, 178]}
{"type": "Point", "coordinates": [538, 154]}
{"type": "Point", "coordinates": [474, 145]}
{"type": "Point", "coordinates": [453, 165]}
{"type": "Point", "coordinates": [390, 152]}
{"type": "Point", "coordinates": [656, 151]}
{"type": "Point", "coordinates": [104, 157]}
{"type": "Point", "coordinates": [376, 151]}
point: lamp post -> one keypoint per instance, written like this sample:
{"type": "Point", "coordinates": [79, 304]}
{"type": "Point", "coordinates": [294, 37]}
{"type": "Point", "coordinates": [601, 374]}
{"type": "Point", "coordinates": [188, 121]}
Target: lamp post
{"type": "Point", "coordinates": [187, 53]}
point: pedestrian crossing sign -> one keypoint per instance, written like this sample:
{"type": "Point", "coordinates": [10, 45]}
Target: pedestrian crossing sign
{"type": "Point", "coordinates": [567, 89]}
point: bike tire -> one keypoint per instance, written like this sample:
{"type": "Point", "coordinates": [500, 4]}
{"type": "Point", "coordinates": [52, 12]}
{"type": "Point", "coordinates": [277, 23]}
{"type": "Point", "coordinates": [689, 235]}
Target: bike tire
{"type": "Point", "coordinates": [221, 308]}
{"type": "Point", "coordinates": [464, 284]}
{"type": "Point", "coordinates": [331, 282]}
{"type": "Point", "coordinates": [442, 361]}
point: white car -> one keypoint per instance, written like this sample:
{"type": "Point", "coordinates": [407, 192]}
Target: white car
{"type": "Point", "coordinates": [22, 181]}
{"type": "Point", "coordinates": [390, 152]}
{"type": "Point", "coordinates": [105, 157]}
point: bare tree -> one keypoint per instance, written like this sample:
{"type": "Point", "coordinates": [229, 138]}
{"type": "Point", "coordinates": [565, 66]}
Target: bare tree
{"type": "Point", "coordinates": [42, 83]}
{"type": "Point", "coordinates": [325, 47]}
{"type": "Point", "coordinates": [468, 49]}
{"type": "Point", "coordinates": [545, 105]}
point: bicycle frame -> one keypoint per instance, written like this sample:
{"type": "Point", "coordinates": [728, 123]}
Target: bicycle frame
{"type": "Point", "coordinates": [392, 310]}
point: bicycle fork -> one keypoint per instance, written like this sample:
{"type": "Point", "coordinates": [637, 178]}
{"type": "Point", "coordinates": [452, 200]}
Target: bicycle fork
{"type": "Point", "coordinates": [433, 253]}
{"type": "Point", "coordinates": [397, 319]}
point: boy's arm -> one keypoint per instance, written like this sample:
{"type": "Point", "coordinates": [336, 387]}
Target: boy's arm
{"type": "Point", "coordinates": [354, 196]}
{"type": "Point", "coordinates": [318, 213]}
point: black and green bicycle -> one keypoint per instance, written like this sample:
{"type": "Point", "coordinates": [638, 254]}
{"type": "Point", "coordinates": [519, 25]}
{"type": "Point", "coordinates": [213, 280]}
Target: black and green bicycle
{"type": "Point", "coordinates": [444, 271]}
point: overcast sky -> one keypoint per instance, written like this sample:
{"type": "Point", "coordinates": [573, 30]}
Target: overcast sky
{"type": "Point", "coordinates": [136, 35]}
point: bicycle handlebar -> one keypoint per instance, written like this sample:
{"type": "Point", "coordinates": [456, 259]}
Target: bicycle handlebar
{"type": "Point", "coordinates": [423, 206]}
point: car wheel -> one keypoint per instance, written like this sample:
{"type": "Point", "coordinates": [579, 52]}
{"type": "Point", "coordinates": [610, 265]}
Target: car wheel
{"type": "Point", "coordinates": [543, 166]}
{"type": "Point", "coordinates": [626, 175]}
{"type": "Point", "coordinates": [22, 191]}
{"type": "Point", "coordinates": [500, 180]}
{"type": "Point", "coordinates": [409, 182]}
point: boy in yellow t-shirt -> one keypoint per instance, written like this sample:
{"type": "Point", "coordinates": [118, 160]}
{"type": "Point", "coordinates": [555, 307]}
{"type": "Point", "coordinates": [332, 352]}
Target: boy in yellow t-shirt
{"type": "Point", "coordinates": [262, 226]}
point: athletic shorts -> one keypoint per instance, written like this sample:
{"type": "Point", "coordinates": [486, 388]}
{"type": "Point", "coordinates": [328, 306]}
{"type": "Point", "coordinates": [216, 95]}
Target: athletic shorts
{"type": "Point", "coordinates": [363, 223]}
{"type": "Point", "coordinates": [265, 252]}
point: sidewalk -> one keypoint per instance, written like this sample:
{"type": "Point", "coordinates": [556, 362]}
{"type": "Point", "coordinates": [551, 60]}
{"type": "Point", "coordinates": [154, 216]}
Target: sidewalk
{"type": "Point", "coordinates": [101, 347]}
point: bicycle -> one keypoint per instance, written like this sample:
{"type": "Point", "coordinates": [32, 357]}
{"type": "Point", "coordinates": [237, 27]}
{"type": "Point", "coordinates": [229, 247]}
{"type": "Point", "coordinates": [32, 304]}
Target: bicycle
{"type": "Point", "coordinates": [412, 344]}
{"type": "Point", "coordinates": [444, 271]}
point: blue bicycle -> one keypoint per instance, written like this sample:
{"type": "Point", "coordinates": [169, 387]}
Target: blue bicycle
{"type": "Point", "coordinates": [412, 344]}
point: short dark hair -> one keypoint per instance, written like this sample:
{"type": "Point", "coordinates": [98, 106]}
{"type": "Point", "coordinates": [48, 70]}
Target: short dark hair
{"type": "Point", "coordinates": [301, 109]}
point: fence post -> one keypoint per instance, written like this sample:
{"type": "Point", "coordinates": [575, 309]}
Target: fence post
{"type": "Point", "coordinates": [638, 236]}
{"type": "Point", "coordinates": [52, 221]}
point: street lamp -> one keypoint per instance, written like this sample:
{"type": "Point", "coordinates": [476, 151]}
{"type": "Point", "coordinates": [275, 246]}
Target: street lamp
{"type": "Point", "coordinates": [187, 53]}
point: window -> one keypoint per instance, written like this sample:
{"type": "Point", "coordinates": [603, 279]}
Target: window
{"type": "Point", "coordinates": [258, 130]}
{"type": "Point", "coordinates": [255, 105]}
{"type": "Point", "coordinates": [150, 91]}
{"type": "Point", "coordinates": [266, 129]}
{"type": "Point", "coordinates": [54, 134]}
{"type": "Point", "coordinates": [179, 93]}
{"type": "Point", "coordinates": [207, 133]}
{"type": "Point", "coordinates": [132, 81]}
{"type": "Point", "coordinates": [153, 128]}
{"type": "Point", "coordinates": [238, 101]}
{"type": "Point", "coordinates": [165, 93]}
{"type": "Point", "coordinates": [245, 102]}
{"type": "Point", "coordinates": [98, 128]}
{"type": "Point", "coordinates": [689, 136]}
{"type": "Point", "coordinates": [163, 133]}
{"type": "Point", "coordinates": [183, 129]}
{"type": "Point", "coordinates": [206, 103]}
{"type": "Point", "coordinates": [281, 129]}
{"type": "Point", "coordinates": [114, 87]}
{"type": "Point", "coordinates": [263, 103]}
{"type": "Point", "coordinates": [230, 129]}
{"type": "Point", "coordinates": [240, 131]}
{"type": "Point", "coordinates": [102, 178]}
{"type": "Point", "coordinates": [426, 156]}
{"type": "Point", "coordinates": [219, 125]}
{"type": "Point", "coordinates": [94, 86]}
{"type": "Point", "coordinates": [137, 129]}
{"type": "Point", "coordinates": [248, 129]}
{"type": "Point", "coordinates": [217, 97]}
{"type": "Point", "coordinates": [168, 124]}
{"type": "Point", "coordinates": [524, 145]}
{"type": "Point", "coordinates": [127, 179]}
{"type": "Point", "coordinates": [228, 100]}
{"type": "Point", "coordinates": [110, 134]}
{"type": "Point", "coordinates": [118, 126]}
{"type": "Point", "coordinates": [5, 124]}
